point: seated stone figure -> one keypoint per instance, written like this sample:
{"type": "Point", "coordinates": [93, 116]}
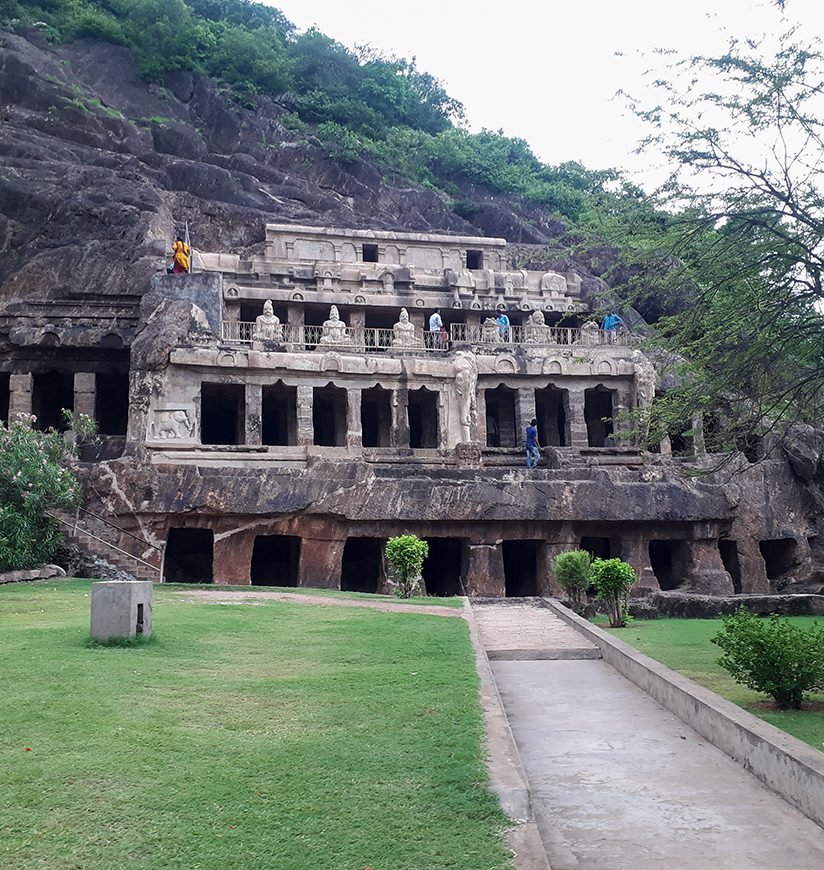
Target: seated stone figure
{"type": "Point", "coordinates": [403, 332]}
{"type": "Point", "coordinates": [489, 331]}
{"type": "Point", "coordinates": [537, 332]}
{"type": "Point", "coordinates": [334, 329]}
{"type": "Point", "coordinates": [267, 325]}
{"type": "Point", "coordinates": [590, 334]}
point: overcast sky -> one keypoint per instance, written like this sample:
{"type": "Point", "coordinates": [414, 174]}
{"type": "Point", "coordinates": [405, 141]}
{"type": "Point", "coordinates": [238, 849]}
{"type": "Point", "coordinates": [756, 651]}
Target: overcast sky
{"type": "Point", "coordinates": [542, 69]}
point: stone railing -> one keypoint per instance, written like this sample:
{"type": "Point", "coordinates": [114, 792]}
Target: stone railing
{"type": "Point", "coordinates": [369, 339]}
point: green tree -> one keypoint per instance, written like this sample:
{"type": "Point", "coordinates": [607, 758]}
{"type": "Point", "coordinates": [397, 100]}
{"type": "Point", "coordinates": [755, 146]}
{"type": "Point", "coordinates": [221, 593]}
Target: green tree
{"type": "Point", "coordinates": [406, 554]}
{"type": "Point", "coordinates": [573, 570]}
{"type": "Point", "coordinates": [612, 579]}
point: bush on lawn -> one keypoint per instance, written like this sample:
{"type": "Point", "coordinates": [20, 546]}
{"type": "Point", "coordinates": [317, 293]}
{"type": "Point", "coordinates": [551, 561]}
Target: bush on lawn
{"type": "Point", "coordinates": [772, 655]}
{"type": "Point", "coordinates": [405, 555]}
{"type": "Point", "coordinates": [573, 570]}
{"type": "Point", "coordinates": [612, 579]}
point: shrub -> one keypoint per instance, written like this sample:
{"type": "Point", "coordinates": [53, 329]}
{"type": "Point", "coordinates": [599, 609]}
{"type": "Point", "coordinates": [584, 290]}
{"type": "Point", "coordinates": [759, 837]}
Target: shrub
{"type": "Point", "coordinates": [405, 555]}
{"type": "Point", "coordinates": [32, 479]}
{"type": "Point", "coordinates": [772, 656]}
{"type": "Point", "coordinates": [612, 580]}
{"type": "Point", "coordinates": [573, 571]}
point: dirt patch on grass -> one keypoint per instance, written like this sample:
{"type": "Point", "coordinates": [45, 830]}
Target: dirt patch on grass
{"type": "Point", "coordinates": [241, 597]}
{"type": "Point", "coordinates": [771, 706]}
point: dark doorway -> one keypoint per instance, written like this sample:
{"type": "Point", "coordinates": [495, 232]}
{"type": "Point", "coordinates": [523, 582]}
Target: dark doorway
{"type": "Point", "coordinates": [362, 565]}
{"type": "Point", "coordinates": [51, 393]}
{"type": "Point", "coordinates": [275, 560]}
{"type": "Point", "coordinates": [598, 548]}
{"type": "Point", "coordinates": [500, 418]}
{"type": "Point", "coordinates": [474, 259]}
{"type": "Point", "coordinates": [376, 417]}
{"type": "Point", "coordinates": [551, 411]}
{"type": "Point", "coordinates": [598, 414]}
{"type": "Point", "coordinates": [222, 414]}
{"type": "Point", "coordinates": [329, 416]}
{"type": "Point", "coordinates": [443, 567]}
{"type": "Point", "coordinates": [138, 628]}
{"type": "Point", "coordinates": [370, 253]}
{"type": "Point", "coordinates": [189, 556]}
{"type": "Point", "coordinates": [668, 562]}
{"type": "Point", "coordinates": [279, 415]}
{"type": "Point", "coordinates": [422, 414]}
{"type": "Point", "coordinates": [5, 397]}
{"type": "Point", "coordinates": [729, 556]}
{"type": "Point", "coordinates": [681, 441]}
{"type": "Point", "coordinates": [111, 402]}
{"type": "Point", "coordinates": [520, 568]}
{"type": "Point", "coordinates": [780, 556]}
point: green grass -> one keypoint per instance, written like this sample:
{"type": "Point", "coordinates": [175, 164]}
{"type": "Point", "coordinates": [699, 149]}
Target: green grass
{"type": "Point", "coordinates": [684, 645]}
{"type": "Point", "coordinates": [276, 736]}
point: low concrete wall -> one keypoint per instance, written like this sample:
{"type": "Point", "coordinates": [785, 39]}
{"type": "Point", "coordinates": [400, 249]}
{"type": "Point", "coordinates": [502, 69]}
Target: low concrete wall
{"type": "Point", "coordinates": [786, 765]}
{"type": "Point", "coordinates": [43, 572]}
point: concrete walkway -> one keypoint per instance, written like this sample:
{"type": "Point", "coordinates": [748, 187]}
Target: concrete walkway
{"type": "Point", "coordinates": [619, 782]}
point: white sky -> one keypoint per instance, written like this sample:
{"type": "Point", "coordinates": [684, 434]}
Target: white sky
{"type": "Point", "coordinates": [545, 70]}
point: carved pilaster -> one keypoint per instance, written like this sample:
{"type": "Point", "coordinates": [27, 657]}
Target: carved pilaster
{"type": "Point", "coordinates": [84, 393]}
{"type": "Point", "coordinates": [400, 420]}
{"type": "Point", "coordinates": [20, 387]}
{"type": "Point", "coordinates": [354, 433]}
{"type": "Point", "coordinates": [305, 427]}
{"type": "Point", "coordinates": [577, 420]}
{"type": "Point", "coordinates": [524, 412]}
{"type": "Point", "coordinates": [254, 414]}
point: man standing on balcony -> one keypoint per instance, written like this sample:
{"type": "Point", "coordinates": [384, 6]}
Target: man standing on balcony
{"type": "Point", "coordinates": [503, 326]}
{"type": "Point", "coordinates": [435, 327]}
{"type": "Point", "coordinates": [533, 449]}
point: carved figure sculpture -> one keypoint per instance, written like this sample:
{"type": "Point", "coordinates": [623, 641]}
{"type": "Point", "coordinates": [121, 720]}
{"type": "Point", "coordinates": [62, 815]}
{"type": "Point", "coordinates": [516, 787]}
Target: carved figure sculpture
{"type": "Point", "coordinates": [489, 331]}
{"type": "Point", "coordinates": [403, 332]}
{"type": "Point", "coordinates": [589, 334]}
{"type": "Point", "coordinates": [172, 424]}
{"type": "Point", "coordinates": [645, 380]}
{"type": "Point", "coordinates": [199, 329]}
{"type": "Point", "coordinates": [466, 382]}
{"type": "Point", "coordinates": [267, 325]}
{"type": "Point", "coordinates": [537, 332]}
{"type": "Point", "coordinates": [553, 283]}
{"type": "Point", "coordinates": [334, 329]}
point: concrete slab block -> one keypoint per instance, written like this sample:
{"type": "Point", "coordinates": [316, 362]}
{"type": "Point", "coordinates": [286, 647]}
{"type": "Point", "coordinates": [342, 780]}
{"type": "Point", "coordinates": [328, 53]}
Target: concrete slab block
{"type": "Point", "coordinates": [121, 609]}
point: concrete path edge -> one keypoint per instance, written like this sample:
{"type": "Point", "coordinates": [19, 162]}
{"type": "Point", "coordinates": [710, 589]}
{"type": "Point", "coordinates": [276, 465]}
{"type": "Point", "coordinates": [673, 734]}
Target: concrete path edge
{"type": "Point", "coordinates": [506, 771]}
{"type": "Point", "coordinates": [783, 763]}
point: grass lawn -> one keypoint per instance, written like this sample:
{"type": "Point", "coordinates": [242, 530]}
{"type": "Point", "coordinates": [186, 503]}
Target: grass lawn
{"type": "Point", "coordinates": [278, 736]}
{"type": "Point", "coordinates": [684, 645]}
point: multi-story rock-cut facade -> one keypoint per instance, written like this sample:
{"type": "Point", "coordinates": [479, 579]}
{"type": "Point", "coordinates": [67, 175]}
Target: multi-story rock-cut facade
{"type": "Point", "coordinates": [275, 419]}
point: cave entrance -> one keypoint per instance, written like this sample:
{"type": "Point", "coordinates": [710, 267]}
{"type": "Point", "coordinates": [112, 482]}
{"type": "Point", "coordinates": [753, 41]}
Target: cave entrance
{"type": "Point", "coordinates": [422, 414]}
{"type": "Point", "coordinates": [598, 548]}
{"type": "Point", "coordinates": [780, 556]}
{"type": "Point", "coordinates": [329, 416]}
{"type": "Point", "coordinates": [189, 556]}
{"type": "Point", "coordinates": [370, 253]}
{"type": "Point", "coordinates": [500, 417]}
{"type": "Point", "coordinates": [520, 568]}
{"type": "Point", "coordinates": [275, 560]}
{"type": "Point", "coordinates": [474, 260]}
{"type": "Point", "coordinates": [51, 393]}
{"type": "Point", "coordinates": [443, 567]}
{"type": "Point", "coordinates": [376, 417]}
{"type": "Point", "coordinates": [598, 416]}
{"type": "Point", "coordinates": [222, 413]}
{"type": "Point", "coordinates": [111, 402]}
{"type": "Point", "coordinates": [668, 561]}
{"type": "Point", "coordinates": [729, 556]}
{"type": "Point", "coordinates": [279, 415]}
{"type": "Point", "coordinates": [551, 406]}
{"type": "Point", "coordinates": [5, 396]}
{"type": "Point", "coordinates": [362, 565]}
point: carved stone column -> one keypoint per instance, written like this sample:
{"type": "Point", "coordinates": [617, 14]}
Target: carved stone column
{"type": "Point", "coordinates": [320, 562]}
{"type": "Point", "coordinates": [635, 550]}
{"type": "Point", "coordinates": [20, 387]}
{"type": "Point", "coordinates": [400, 420]}
{"type": "Point", "coordinates": [479, 433]}
{"type": "Point", "coordinates": [524, 412]}
{"type": "Point", "coordinates": [665, 446]}
{"type": "Point", "coordinates": [706, 572]}
{"type": "Point", "coordinates": [85, 388]}
{"type": "Point", "coordinates": [354, 433]}
{"type": "Point", "coordinates": [305, 424]}
{"type": "Point", "coordinates": [294, 314]}
{"type": "Point", "coordinates": [620, 428]}
{"type": "Point", "coordinates": [254, 415]}
{"type": "Point", "coordinates": [233, 558]}
{"type": "Point", "coordinates": [577, 421]}
{"type": "Point", "coordinates": [485, 570]}
{"type": "Point", "coordinates": [698, 445]}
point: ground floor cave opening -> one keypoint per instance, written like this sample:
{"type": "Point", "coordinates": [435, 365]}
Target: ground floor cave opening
{"type": "Point", "coordinates": [275, 560]}
{"type": "Point", "coordinates": [222, 413]}
{"type": "Point", "coordinates": [189, 556]}
{"type": "Point", "coordinates": [520, 568]}
{"type": "Point", "coordinates": [780, 556]}
{"type": "Point", "coordinates": [422, 415]}
{"type": "Point", "coordinates": [668, 561]}
{"type": "Point", "coordinates": [5, 397]}
{"type": "Point", "coordinates": [376, 417]}
{"type": "Point", "coordinates": [599, 548]}
{"type": "Point", "coordinates": [329, 416]}
{"type": "Point", "coordinates": [111, 402]}
{"type": "Point", "coordinates": [729, 556]}
{"type": "Point", "coordinates": [500, 417]}
{"type": "Point", "coordinates": [51, 394]}
{"type": "Point", "coordinates": [362, 565]}
{"type": "Point", "coordinates": [443, 567]}
{"type": "Point", "coordinates": [279, 415]}
{"type": "Point", "coordinates": [598, 403]}
{"type": "Point", "coordinates": [551, 412]}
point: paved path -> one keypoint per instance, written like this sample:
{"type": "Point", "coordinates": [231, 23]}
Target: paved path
{"type": "Point", "coordinates": [619, 783]}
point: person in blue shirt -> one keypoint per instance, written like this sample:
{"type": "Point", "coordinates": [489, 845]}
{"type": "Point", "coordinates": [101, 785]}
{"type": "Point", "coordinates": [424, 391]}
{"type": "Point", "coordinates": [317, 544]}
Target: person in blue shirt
{"type": "Point", "coordinates": [503, 326]}
{"type": "Point", "coordinates": [533, 449]}
{"type": "Point", "coordinates": [435, 327]}
{"type": "Point", "coordinates": [611, 322]}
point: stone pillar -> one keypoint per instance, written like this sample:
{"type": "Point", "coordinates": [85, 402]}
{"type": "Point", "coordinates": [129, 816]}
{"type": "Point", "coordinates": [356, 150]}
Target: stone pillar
{"type": "Point", "coordinates": [294, 314]}
{"type": "Point", "coordinates": [754, 580]}
{"type": "Point", "coordinates": [305, 424]}
{"type": "Point", "coordinates": [547, 582]}
{"type": "Point", "coordinates": [254, 415]}
{"type": "Point", "coordinates": [620, 427]}
{"type": "Point", "coordinates": [479, 434]}
{"type": "Point", "coordinates": [418, 319]}
{"type": "Point", "coordinates": [231, 311]}
{"type": "Point", "coordinates": [20, 387]}
{"type": "Point", "coordinates": [400, 420]}
{"type": "Point", "coordinates": [354, 433]}
{"type": "Point", "coordinates": [665, 446]}
{"type": "Point", "coordinates": [577, 420]}
{"type": "Point", "coordinates": [233, 558]}
{"type": "Point", "coordinates": [485, 570]}
{"type": "Point", "coordinates": [706, 572]}
{"type": "Point", "coordinates": [635, 550]}
{"type": "Point", "coordinates": [473, 318]}
{"type": "Point", "coordinates": [320, 562]}
{"type": "Point", "coordinates": [443, 419]}
{"type": "Point", "coordinates": [524, 412]}
{"type": "Point", "coordinates": [85, 388]}
{"type": "Point", "coordinates": [698, 445]}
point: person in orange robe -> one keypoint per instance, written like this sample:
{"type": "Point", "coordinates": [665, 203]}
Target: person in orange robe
{"type": "Point", "coordinates": [181, 252]}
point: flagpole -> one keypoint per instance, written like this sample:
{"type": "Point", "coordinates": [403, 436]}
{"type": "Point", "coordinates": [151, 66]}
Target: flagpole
{"type": "Point", "coordinates": [188, 245]}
